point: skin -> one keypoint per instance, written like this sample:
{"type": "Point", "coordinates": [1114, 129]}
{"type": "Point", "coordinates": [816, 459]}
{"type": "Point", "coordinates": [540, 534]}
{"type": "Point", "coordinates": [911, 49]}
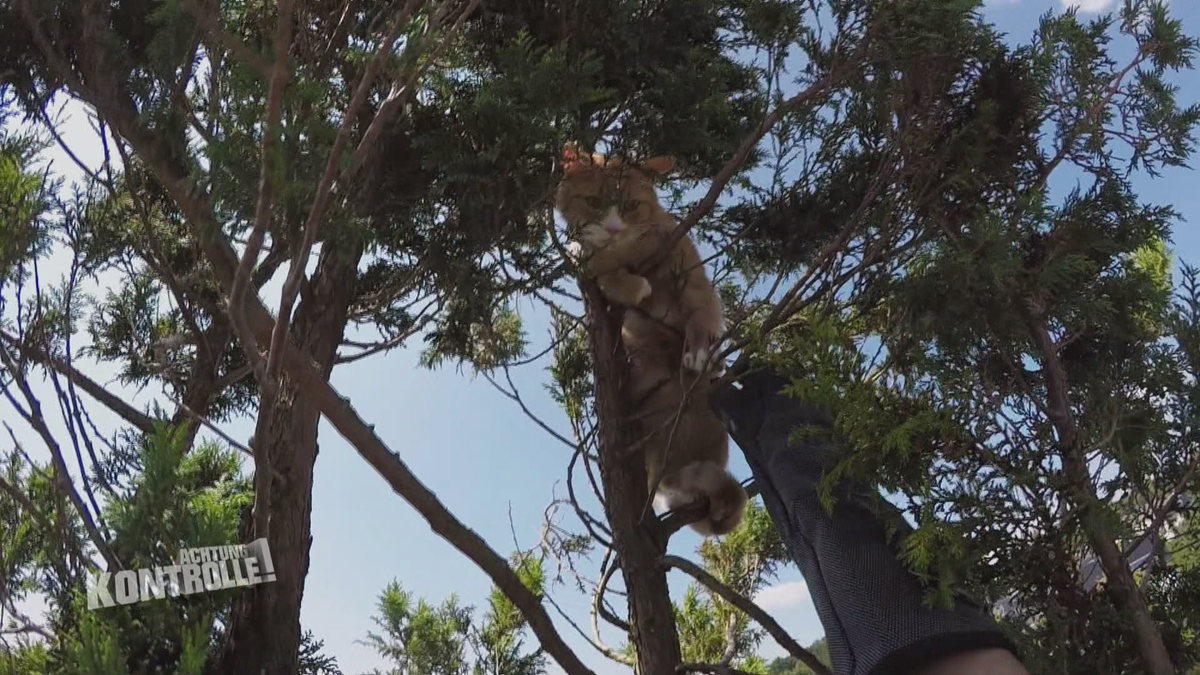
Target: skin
{"type": "Point", "coordinates": [981, 662]}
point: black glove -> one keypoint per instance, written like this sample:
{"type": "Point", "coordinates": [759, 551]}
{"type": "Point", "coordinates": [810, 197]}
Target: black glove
{"type": "Point", "coordinates": [869, 603]}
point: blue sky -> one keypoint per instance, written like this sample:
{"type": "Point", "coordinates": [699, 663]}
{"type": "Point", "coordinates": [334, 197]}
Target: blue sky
{"type": "Point", "coordinates": [485, 460]}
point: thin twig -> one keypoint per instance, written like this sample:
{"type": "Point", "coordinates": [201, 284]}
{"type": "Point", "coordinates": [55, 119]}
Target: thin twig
{"type": "Point", "coordinates": [515, 395]}
{"type": "Point", "coordinates": [598, 608]}
{"type": "Point", "coordinates": [35, 419]}
{"type": "Point", "coordinates": [709, 668]}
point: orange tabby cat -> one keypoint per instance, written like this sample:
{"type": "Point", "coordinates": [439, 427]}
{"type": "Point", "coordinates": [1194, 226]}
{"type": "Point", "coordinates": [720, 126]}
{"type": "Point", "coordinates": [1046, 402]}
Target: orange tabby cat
{"type": "Point", "coordinates": [669, 331]}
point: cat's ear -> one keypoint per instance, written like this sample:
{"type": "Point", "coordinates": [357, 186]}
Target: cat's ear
{"type": "Point", "coordinates": [572, 162]}
{"type": "Point", "coordinates": [658, 166]}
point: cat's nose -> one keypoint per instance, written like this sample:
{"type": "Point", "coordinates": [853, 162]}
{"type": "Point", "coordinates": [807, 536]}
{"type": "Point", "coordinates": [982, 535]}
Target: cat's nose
{"type": "Point", "coordinates": [612, 222]}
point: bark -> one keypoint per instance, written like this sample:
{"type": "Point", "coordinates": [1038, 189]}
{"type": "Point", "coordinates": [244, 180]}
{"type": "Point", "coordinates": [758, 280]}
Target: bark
{"type": "Point", "coordinates": [203, 377]}
{"type": "Point", "coordinates": [265, 629]}
{"type": "Point", "coordinates": [1102, 541]}
{"type": "Point", "coordinates": [638, 537]}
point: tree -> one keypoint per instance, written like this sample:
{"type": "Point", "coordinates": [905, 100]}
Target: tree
{"type": "Point", "coordinates": [788, 665]}
{"type": "Point", "coordinates": [424, 640]}
{"type": "Point", "coordinates": [1035, 365]}
{"type": "Point", "coordinates": [865, 170]}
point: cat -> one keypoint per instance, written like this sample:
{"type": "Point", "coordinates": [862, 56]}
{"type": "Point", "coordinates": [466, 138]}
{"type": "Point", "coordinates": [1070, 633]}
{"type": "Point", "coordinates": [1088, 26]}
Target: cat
{"type": "Point", "coordinates": [669, 331]}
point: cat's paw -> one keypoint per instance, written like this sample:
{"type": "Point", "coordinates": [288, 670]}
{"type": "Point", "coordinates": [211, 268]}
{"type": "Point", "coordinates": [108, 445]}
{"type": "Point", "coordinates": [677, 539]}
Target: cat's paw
{"type": "Point", "coordinates": [699, 361]}
{"type": "Point", "coordinates": [575, 250]}
{"type": "Point", "coordinates": [642, 291]}
{"type": "Point", "coordinates": [695, 360]}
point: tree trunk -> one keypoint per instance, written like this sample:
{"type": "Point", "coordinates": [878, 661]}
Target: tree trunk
{"type": "Point", "coordinates": [1074, 457]}
{"type": "Point", "coordinates": [637, 536]}
{"type": "Point", "coordinates": [1116, 568]}
{"type": "Point", "coordinates": [264, 633]}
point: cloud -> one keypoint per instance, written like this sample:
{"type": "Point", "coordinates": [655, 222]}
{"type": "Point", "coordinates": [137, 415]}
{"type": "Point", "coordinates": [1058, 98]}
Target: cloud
{"type": "Point", "coordinates": [1088, 6]}
{"type": "Point", "coordinates": [782, 595]}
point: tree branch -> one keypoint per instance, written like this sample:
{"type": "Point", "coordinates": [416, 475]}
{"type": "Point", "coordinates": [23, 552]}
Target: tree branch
{"type": "Point", "coordinates": [735, 163]}
{"type": "Point", "coordinates": [1127, 597]}
{"type": "Point", "coordinates": [63, 479]}
{"type": "Point", "coordinates": [710, 669]}
{"type": "Point", "coordinates": [211, 23]}
{"type": "Point", "coordinates": [291, 286]}
{"type": "Point", "coordinates": [141, 421]}
{"type": "Point", "coordinates": [752, 610]}
{"type": "Point", "coordinates": [515, 395]}
{"type": "Point", "coordinates": [197, 210]}
{"type": "Point", "coordinates": [342, 415]}
{"type": "Point", "coordinates": [268, 384]}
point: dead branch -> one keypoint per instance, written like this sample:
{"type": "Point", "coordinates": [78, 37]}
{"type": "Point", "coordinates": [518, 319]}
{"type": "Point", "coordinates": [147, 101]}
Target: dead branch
{"type": "Point", "coordinates": [598, 608]}
{"type": "Point", "coordinates": [512, 393]}
{"type": "Point", "coordinates": [751, 609]}
{"type": "Point", "coordinates": [710, 668]}
{"type": "Point", "coordinates": [71, 421]}
{"type": "Point", "coordinates": [731, 641]}
{"type": "Point", "coordinates": [207, 423]}
{"type": "Point", "coordinates": [590, 522]}
{"type": "Point", "coordinates": [338, 410]}
{"type": "Point", "coordinates": [25, 624]}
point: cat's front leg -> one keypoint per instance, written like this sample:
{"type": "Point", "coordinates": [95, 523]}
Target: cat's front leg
{"type": "Point", "coordinates": [702, 330]}
{"type": "Point", "coordinates": [699, 346]}
{"type": "Point", "coordinates": [624, 288]}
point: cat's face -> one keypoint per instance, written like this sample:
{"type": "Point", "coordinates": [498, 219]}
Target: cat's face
{"type": "Point", "coordinates": [606, 201]}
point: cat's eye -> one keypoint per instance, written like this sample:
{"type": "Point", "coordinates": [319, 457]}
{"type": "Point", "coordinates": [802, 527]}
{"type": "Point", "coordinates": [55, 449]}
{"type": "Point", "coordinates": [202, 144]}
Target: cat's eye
{"type": "Point", "coordinates": [630, 205]}
{"type": "Point", "coordinates": [595, 202]}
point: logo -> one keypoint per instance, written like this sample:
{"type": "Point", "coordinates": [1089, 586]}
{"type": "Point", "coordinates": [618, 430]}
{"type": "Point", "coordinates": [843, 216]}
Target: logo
{"type": "Point", "coordinates": [198, 570]}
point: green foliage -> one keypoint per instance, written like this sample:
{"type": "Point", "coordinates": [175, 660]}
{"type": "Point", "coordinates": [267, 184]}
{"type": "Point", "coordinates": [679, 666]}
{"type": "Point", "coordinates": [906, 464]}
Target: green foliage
{"type": "Point", "coordinates": [174, 500]}
{"type": "Point", "coordinates": [23, 202]}
{"type": "Point", "coordinates": [422, 639]}
{"type": "Point", "coordinates": [25, 659]}
{"type": "Point", "coordinates": [949, 366]}
{"type": "Point", "coordinates": [787, 665]}
{"type": "Point", "coordinates": [745, 560]}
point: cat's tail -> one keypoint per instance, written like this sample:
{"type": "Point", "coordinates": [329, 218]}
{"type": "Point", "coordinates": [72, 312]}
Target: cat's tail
{"type": "Point", "coordinates": [726, 498]}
